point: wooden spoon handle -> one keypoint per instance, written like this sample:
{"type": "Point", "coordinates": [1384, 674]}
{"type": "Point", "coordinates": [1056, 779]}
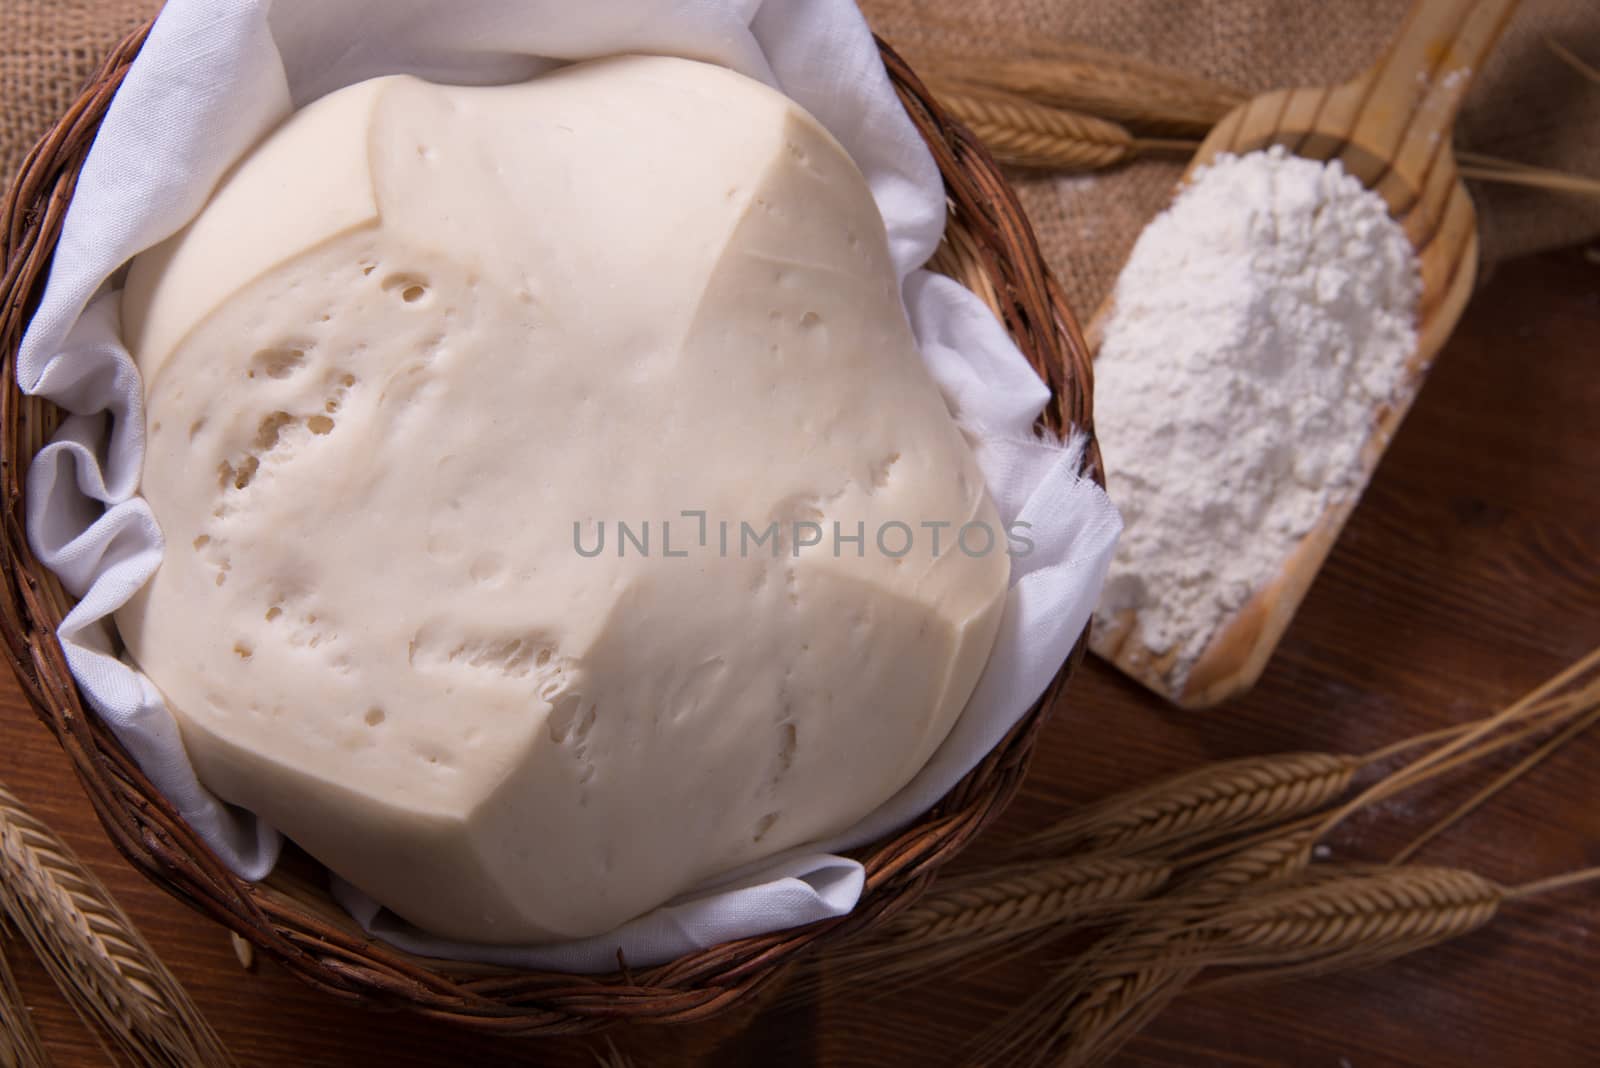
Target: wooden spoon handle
{"type": "Point", "coordinates": [1406, 103]}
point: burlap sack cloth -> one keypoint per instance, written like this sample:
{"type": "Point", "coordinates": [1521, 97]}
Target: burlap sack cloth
{"type": "Point", "coordinates": [1526, 106]}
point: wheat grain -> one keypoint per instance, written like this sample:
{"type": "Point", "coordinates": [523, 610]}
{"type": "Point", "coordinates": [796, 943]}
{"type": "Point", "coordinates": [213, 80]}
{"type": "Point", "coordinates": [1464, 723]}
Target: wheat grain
{"type": "Point", "coordinates": [1342, 919]}
{"type": "Point", "coordinates": [243, 951]}
{"type": "Point", "coordinates": [1094, 1009]}
{"type": "Point", "coordinates": [1265, 909]}
{"type": "Point", "coordinates": [1098, 1001]}
{"type": "Point", "coordinates": [1221, 798]}
{"type": "Point", "coordinates": [92, 951]}
{"type": "Point", "coordinates": [985, 914]}
{"type": "Point", "coordinates": [1264, 863]}
{"type": "Point", "coordinates": [1369, 910]}
{"type": "Point", "coordinates": [958, 256]}
{"type": "Point", "coordinates": [1143, 96]}
{"type": "Point", "coordinates": [1365, 912]}
{"type": "Point", "coordinates": [1024, 134]}
{"type": "Point", "coordinates": [867, 975]}
{"type": "Point", "coordinates": [1024, 897]}
{"type": "Point", "coordinates": [1125, 1004]}
{"type": "Point", "coordinates": [1257, 904]}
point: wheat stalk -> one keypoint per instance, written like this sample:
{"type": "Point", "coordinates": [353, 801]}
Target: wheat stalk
{"type": "Point", "coordinates": [20, 1046]}
{"type": "Point", "coordinates": [1024, 134]}
{"type": "Point", "coordinates": [1482, 168]}
{"type": "Point", "coordinates": [1343, 918]}
{"type": "Point", "coordinates": [1306, 918]}
{"type": "Point", "coordinates": [986, 912]}
{"type": "Point", "coordinates": [1354, 923]}
{"type": "Point", "coordinates": [1332, 924]}
{"type": "Point", "coordinates": [1150, 98]}
{"type": "Point", "coordinates": [983, 914]}
{"type": "Point", "coordinates": [1221, 798]}
{"type": "Point", "coordinates": [1298, 922]}
{"type": "Point", "coordinates": [1190, 836]}
{"type": "Point", "coordinates": [1365, 912]}
{"type": "Point", "coordinates": [1024, 897]}
{"type": "Point", "coordinates": [1231, 797]}
{"type": "Point", "coordinates": [1118, 1004]}
{"type": "Point", "coordinates": [1580, 724]}
{"type": "Point", "coordinates": [92, 951]}
{"type": "Point", "coordinates": [1571, 59]}
{"type": "Point", "coordinates": [866, 977]}
{"type": "Point", "coordinates": [1066, 111]}
{"type": "Point", "coordinates": [1094, 996]}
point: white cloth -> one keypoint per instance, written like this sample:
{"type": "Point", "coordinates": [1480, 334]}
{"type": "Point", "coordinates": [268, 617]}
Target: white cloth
{"type": "Point", "coordinates": [215, 75]}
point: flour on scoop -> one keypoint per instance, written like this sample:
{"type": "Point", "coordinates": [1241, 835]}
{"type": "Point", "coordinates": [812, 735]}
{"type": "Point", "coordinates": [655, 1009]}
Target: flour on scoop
{"type": "Point", "coordinates": [1260, 324]}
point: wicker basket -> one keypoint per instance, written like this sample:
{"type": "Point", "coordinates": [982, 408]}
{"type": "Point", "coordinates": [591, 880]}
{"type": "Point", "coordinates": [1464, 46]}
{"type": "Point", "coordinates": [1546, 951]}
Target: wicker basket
{"type": "Point", "coordinates": [988, 247]}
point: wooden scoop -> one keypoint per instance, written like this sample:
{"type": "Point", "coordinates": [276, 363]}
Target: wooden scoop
{"type": "Point", "coordinates": [1391, 128]}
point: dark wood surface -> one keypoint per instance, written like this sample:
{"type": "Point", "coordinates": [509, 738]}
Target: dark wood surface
{"type": "Point", "coordinates": [1470, 572]}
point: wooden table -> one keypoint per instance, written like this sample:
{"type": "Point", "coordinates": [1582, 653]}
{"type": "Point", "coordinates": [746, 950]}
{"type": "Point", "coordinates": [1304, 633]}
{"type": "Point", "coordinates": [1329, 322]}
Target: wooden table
{"type": "Point", "coordinates": [1470, 572]}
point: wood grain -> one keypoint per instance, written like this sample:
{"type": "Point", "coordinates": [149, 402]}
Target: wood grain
{"type": "Point", "coordinates": [1467, 574]}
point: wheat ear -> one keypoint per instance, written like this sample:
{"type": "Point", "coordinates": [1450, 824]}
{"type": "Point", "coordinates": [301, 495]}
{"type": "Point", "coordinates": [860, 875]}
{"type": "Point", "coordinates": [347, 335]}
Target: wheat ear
{"type": "Point", "coordinates": [92, 951]}
{"type": "Point", "coordinates": [1143, 96]}
{"type": "Point", "coordinates": [1221, 798]}
{"type": "Point", "coordinates": [1022, 133]}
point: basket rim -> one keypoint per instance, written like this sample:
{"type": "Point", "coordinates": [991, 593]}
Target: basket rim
{"type": "Point", "coordinates": [998, 255]}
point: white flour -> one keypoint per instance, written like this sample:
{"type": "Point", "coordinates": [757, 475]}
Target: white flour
{"type": "Point", "coordinates": [1259, 324]}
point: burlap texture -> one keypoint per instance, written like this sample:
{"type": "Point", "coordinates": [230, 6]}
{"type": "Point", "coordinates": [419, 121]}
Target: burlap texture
{"type": "Point", "coordinates": [48, 49]}
{"type": "Point", "coordinates": [1526, 105]}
